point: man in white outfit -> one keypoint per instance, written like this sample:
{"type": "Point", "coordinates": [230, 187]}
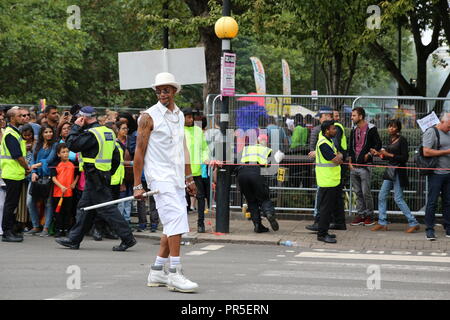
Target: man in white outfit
{"type": "Point", "coordinates": [162, 153]}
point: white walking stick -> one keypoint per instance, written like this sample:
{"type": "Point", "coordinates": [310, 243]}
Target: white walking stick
{"type": "Point", "coordinates": [104, 204]}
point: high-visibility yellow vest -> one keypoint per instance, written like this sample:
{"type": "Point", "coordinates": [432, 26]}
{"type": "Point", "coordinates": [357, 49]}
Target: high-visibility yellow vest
{"type": "Point", "coordinates": [328, 174]}
{"type": "Point", "coordinates": [106, 145]}
{"type": "Point", "coordinates": [256, 154]}
{"type": "Point", "coordinates": [80, 162]}
{"type": "Point", "coordinates": [343, 138]}
{"type": "Point", "coordinates": [118, 177]}
{"type": "Point", "coordinates": [11, 169]}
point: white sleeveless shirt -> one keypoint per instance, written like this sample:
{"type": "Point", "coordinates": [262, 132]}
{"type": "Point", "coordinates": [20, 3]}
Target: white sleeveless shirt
{"type": "Point", "coordinates": [164, 158]}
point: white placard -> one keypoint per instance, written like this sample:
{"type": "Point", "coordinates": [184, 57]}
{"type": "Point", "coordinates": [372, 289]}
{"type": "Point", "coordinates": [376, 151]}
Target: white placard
{"type": "Point", "coordinates": [314, 93]}
{"type": "Point", "coordinates": [137, 69]}
{"type": "Point", "coordinates": [428, 121]}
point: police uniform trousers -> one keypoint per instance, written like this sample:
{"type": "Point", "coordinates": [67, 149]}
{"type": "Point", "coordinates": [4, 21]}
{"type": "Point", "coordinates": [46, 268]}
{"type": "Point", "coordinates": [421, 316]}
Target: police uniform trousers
{"type": "Point", "coordinates": [96, 192]}
{"type": "Point", "coordinates": [256, 191]}
{"type": "Point", "coordinates": [329, 198]}
{"type": "Point", "coordinates": [13, 190]}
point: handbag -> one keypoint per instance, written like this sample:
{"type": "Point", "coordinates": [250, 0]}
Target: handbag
{"type": "Point", "coordinates": [427, 162]}
{"type": "Point", "coordinates": [41, 187]}
{"type": "Point", "coordinates": [389, 174]}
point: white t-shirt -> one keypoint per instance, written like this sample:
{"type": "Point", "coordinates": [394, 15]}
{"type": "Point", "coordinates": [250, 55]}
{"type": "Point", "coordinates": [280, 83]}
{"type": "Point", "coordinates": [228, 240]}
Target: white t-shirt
{"type": "Point", "coordinates": [164, 158]}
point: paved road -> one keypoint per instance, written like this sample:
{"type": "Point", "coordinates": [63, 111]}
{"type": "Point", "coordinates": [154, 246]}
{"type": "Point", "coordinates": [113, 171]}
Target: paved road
{"type": "Point", "coordinates": [36, 269]}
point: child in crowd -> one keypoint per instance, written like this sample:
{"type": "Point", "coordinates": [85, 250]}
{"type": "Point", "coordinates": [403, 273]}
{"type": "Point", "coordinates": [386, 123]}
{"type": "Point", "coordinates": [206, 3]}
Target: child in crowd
{"type": "Point", "coordinates": [65, 180]}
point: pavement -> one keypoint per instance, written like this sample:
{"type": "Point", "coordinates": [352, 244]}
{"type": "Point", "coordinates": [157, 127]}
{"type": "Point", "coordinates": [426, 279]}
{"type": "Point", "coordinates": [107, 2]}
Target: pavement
{"type": "Point", "coordinates": [354, 238]}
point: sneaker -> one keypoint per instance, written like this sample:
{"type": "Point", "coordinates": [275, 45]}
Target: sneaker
{"type": "Point", "coordinates": [178, 282]}
{"type": "Point", "coordinates": [369, 222]}
{"type": "Point", "coordinates": [157, 277]}
{"type": "Point", "coordinates": [153, 227]}
{"type": "Point", "coordinates": [358, 221]}
{"type": "Point", "coordinates": [44, 234]}
{"type": "Point", "coordinates": [430, 235]}
{"type": "Point", "coordinates": [447, 233]}
{"type": "Point", "coordinates": [32, 232]}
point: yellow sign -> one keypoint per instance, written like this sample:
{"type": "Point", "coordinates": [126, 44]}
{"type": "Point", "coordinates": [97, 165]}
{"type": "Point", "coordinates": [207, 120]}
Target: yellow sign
{"type": "Point", "coordinates": [281, 174]}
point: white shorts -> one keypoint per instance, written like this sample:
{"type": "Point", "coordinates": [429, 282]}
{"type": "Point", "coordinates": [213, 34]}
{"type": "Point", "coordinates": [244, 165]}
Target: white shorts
{"type": "Point", "coordinates": [172, 207]}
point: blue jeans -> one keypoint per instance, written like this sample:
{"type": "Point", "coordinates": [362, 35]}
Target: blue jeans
{"type": "Point", "coordinates": [398, 197]}
{"type": "Point", "coordinates": [34, 212]}
{"type": "Point", "coordinates": [438, 184]}
{"type": "Point", "coordinates": [125, 207]}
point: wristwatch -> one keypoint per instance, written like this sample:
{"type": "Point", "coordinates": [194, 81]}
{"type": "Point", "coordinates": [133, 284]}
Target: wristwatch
{"type": "Point", "coordinates": [138, 187]}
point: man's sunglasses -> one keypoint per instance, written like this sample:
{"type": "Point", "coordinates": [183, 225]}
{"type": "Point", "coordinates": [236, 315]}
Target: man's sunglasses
{"type": "Point", "coordinates": [165, 91]}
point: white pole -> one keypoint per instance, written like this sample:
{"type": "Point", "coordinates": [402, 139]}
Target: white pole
{"type": "Point", "coordinates": [104, 204]}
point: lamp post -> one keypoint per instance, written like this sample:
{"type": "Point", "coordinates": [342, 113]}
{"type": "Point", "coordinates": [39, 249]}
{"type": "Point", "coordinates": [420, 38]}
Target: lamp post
{"type": "Point", "coordinates": [226, 29]}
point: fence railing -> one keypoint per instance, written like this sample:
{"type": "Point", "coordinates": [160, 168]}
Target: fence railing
{"type": "Point", "coordinates": [295, 190]}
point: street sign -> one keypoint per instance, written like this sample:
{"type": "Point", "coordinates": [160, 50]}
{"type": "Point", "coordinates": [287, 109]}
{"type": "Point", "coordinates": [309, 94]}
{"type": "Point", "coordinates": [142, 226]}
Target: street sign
{"type": "Point", "coordinates": [137, 69]}
{"type": "Point", "coordinates": [228, 71]}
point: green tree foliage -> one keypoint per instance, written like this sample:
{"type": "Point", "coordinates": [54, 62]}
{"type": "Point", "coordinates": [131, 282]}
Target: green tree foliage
{"type": "Point", "coordinates": [39, 54]}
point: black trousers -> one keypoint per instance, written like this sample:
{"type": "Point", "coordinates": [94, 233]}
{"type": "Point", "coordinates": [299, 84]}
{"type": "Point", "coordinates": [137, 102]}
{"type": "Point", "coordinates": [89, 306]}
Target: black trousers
{"type": "Point", "coordinates": [328, 201]}
{"type": "Point", "coordinates": [256, 191]}
{"type": "Point", "coordinates": [338, 215]}
{"type": "Point", "coordinates": [96, 191]}
{"type": "Point", "coordinates": [63, 217]}
{"type": "Point", "coordinates": [202, 186]}
{"type": "Point", "coordinates": [13, 190]}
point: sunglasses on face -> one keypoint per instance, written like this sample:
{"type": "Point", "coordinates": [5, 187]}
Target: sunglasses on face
{"type": "Point", "coordinates": [165, 91]}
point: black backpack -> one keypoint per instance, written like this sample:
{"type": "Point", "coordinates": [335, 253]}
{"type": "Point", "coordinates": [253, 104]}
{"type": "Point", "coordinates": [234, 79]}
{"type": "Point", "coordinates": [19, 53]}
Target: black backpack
{"type": "Point", "coordinates": [427, 162]}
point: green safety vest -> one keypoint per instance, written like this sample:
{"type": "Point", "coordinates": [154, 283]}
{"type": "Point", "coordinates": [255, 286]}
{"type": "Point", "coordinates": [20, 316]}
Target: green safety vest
{"type": "Point", "coordinates": [11, 169]}
{"type": "Point", "coordinates": [328, 174]}
{"type": "Point", "coordinates": [106, 144]}
{"type": "Point", "coordinates": [118, 177]}
{"type": "Point", "coordinates": [343, 138]}
{"type": "Point", "coordinates": [256, 154]}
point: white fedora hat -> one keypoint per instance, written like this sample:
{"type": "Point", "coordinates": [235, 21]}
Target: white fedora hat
{"type": "Point", "coordinates": [166, 78]}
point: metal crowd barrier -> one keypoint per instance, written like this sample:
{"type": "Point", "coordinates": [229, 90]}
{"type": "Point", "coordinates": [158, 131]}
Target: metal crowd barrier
{"type": "Point", "coordinates": [295, 190]}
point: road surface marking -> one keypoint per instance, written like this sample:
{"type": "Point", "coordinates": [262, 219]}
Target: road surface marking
{"type": "Point", "coordinates": [372, 257]}
{"type": "Point", "coordinates": [365, 265]}
{"type": "Point", "coordinates": [196, 253]}
{"type": "Point", "coordinates": [329, 255]}
{"type": "Point", "coordinates": [212, 247]}
{"type": "Point", "coordinates": [67, 296]}
{"type": "Point", "coordinates": [353, 276]}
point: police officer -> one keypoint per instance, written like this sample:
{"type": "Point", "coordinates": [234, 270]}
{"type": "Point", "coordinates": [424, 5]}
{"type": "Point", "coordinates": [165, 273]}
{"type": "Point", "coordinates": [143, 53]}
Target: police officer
{"type": "Point", "coordinates": [253, 186]}
{"type": "Point", "coordinates": [328, 175]}
{"type": "Point", "coordinates": [14, 167]}
{"type": "Point", "coordinates": [340, 142]}
{"type": "Point", "coordinates": [100, 158]}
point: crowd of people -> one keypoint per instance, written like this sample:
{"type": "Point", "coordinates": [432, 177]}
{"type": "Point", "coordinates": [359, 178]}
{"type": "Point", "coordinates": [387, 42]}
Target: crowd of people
{"type": "Point", "coordinates": [53, 167]}
{"type": "Point", "coordinates": [54, 179]}
{"type": "Point", "coordinates": [327, 144]}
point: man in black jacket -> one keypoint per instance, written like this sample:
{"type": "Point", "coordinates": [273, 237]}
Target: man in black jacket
{"type": "Point", "coordinates": [88, 138]}
{"type": "Point", "coordinates": [363, 137]}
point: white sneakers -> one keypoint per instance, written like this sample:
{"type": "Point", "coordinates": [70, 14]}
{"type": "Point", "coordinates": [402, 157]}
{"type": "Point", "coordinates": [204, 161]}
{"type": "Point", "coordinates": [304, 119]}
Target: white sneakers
{"type": "Point", "coordinates": [174, 280]}
{"type": "Point", "coordinates": [157, 277]}
{"type": "Point", "coordinates": [178, 282]}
